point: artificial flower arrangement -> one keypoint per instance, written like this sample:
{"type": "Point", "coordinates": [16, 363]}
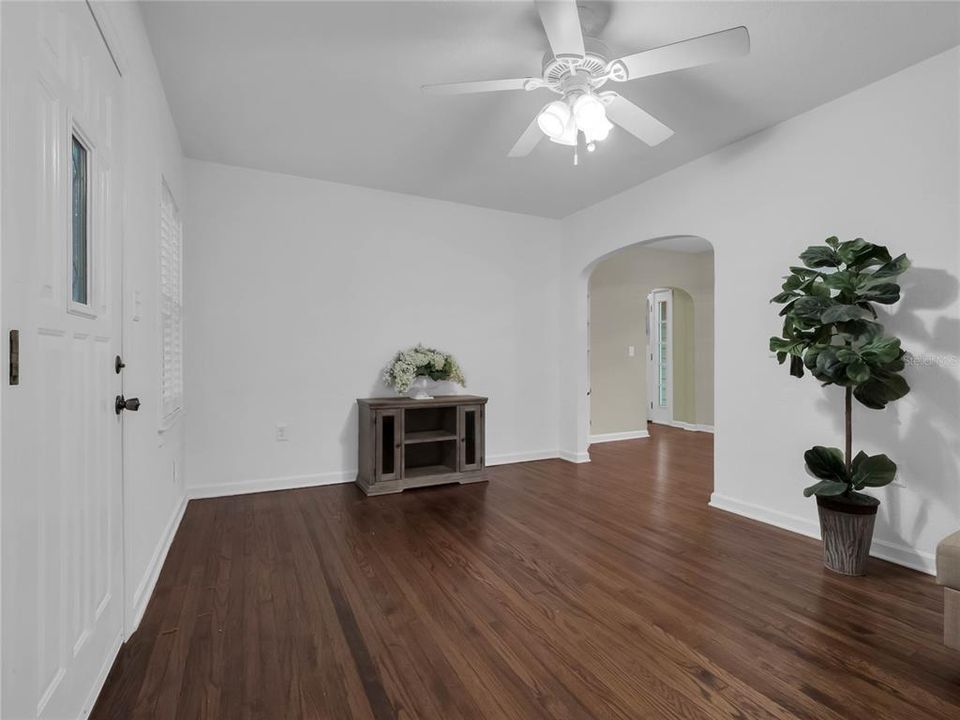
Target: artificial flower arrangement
{"type": "Point", "coordinates": [407, 365]}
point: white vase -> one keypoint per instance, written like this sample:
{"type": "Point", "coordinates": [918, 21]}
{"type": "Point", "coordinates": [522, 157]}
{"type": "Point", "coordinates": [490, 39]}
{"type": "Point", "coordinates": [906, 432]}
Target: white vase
{"type": "Point", "coordinates": [418, 388]}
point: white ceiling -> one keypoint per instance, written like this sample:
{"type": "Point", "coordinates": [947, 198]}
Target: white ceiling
{"type": "Point", "coordinates": [330, 90]}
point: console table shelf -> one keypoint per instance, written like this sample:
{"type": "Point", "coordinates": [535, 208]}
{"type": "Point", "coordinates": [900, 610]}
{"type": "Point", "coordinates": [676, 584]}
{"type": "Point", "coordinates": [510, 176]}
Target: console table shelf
{"type": "Point", "coordinates": [423, 436]}
{"type": "Point", "coordinates": [406, 443]}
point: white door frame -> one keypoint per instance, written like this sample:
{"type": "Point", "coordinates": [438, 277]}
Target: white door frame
{"type": "Point", "coordinates": [660, 408]}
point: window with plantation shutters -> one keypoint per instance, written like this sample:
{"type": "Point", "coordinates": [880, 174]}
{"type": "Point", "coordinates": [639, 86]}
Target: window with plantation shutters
{"type": "Point", "coordinates": [171, 308]}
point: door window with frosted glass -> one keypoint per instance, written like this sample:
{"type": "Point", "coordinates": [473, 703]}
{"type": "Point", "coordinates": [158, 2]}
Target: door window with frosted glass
{"type": "Point", "coordinates": [79, 225]}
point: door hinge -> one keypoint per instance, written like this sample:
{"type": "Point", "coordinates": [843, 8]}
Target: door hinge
{"type": "Point", "coordinates": [14, 357]}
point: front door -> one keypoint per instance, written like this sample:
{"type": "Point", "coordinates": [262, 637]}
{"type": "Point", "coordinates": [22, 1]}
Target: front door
{"type": "Point", "coordinates": [660, 357]}
{"type": "Point", "coordinates": [62, 584]}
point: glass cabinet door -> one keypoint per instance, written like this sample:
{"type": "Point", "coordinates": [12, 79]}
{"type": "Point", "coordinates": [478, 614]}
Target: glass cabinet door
{"type": "Point", "coordinates": [471, 437]}
{"type": "Point", "coordinates": [389, 445]}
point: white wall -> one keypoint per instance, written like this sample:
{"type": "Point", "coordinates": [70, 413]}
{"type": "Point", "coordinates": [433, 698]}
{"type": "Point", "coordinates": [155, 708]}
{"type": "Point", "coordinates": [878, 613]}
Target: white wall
{"type": "Point", "coordinates": [619, 286]}
{"type": "Point", "coordinates": [298, 292]}
{"type": "Point", "coordinates": [881, 163]}
{"type": "Point", "coordinates": [153, 498]}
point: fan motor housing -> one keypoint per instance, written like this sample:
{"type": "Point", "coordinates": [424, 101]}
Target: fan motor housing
{"type": "Point", "coordinates": [560, 74]}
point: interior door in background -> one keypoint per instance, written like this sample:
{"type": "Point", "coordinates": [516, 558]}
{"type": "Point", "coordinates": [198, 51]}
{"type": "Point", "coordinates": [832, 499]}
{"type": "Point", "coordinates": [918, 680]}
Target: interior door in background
{"type": "Point", "coordinates": [660, 357]}
{"type": "Point", "coordinates": [62, 615]}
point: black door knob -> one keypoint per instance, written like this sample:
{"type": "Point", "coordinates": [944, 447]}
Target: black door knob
{"type": "Point", "coordinates": [124, 404]}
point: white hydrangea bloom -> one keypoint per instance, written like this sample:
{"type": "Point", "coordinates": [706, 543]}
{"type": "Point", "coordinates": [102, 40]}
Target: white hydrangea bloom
{"type": "Point", "coordinates": [418, 361]}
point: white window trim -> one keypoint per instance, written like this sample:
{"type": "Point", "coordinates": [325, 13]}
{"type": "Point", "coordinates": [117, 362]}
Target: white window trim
{"type": "Point", "coordinates": [170, 217]}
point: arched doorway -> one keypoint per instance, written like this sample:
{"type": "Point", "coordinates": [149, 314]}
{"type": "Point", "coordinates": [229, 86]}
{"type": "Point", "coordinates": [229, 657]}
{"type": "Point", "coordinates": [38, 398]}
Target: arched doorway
{"type": "Point", "coordinates": [625, 377]}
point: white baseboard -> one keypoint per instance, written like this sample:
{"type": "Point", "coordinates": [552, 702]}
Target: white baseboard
{"type": "Point", "coordinates": [102, 676]}
{"type": "Point", "coordinates": [902, 555]}
{"type": "Point", "coordinates": [893, 552]}
{"type": "Point", "coordinates": [693, 427]}
{"type": "Point", "coordinates": [615, 436]}
{"type": "Point", "coordinates": [141, 596]}
{"type": "Point", "coordinates": [574, 457]}
{"type": "Point", "coordinates": [509, 458]}
{"type": "Point", "coordinates": [245, 487]}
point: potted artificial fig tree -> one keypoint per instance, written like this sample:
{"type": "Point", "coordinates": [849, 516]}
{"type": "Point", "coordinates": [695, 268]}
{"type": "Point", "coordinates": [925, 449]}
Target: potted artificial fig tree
{"type": "Point", "coordinates": [830, 328]}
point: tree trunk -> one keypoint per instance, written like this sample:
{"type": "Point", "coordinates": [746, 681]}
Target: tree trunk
{"type": "Point", "coordinates": [848, 428]}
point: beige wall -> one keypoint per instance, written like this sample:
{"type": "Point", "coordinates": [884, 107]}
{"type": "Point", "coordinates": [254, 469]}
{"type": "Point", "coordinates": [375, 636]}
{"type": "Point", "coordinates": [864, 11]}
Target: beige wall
{"type": "Point", "coordinates": [618, 295]}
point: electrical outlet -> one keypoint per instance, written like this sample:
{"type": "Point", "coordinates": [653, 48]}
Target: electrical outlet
{"type": "Point", "coordinates": [631, 351]}
{"type": "Point", "coordinates": [282, 433]}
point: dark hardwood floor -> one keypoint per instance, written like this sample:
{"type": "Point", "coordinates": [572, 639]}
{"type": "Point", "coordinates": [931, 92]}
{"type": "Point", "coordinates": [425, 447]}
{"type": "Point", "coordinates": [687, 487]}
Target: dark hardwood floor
{"type": "Point", "coordinates": [607, 590]}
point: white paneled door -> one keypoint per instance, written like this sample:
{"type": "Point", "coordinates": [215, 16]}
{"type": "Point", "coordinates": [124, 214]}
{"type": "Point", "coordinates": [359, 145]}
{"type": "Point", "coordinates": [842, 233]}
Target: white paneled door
{"type": "Point", "coordinates": [62, 615]}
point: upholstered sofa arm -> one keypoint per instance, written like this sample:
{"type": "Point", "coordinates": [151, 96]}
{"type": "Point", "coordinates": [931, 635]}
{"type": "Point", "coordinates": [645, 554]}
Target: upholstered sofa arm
{"type": "Point", "coordinates": [948, 562]}
{"type": "Point", "coordinates": [948, 575]}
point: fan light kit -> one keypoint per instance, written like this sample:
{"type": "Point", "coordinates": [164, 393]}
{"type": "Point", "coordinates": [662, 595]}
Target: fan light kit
{"type": "Point", "coordinates": [578, 67]}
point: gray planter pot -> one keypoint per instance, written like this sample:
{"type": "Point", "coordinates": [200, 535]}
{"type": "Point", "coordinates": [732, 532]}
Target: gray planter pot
{"type": "Point", "coordinates": [847, 531]}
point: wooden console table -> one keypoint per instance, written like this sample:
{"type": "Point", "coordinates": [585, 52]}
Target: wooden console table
{"type": "Point", "coordinates": [406, 443]}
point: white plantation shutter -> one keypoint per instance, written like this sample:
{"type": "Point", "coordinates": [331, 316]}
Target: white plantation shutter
{"type": "Point", "coordinates": [171, 308]}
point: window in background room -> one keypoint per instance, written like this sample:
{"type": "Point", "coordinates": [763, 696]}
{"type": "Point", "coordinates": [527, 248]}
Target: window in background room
{"type": "Point", "coordinates": [171, 308]}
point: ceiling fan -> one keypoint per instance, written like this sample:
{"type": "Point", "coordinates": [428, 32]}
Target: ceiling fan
{"type": "Point", "coordinates": [579, 66]}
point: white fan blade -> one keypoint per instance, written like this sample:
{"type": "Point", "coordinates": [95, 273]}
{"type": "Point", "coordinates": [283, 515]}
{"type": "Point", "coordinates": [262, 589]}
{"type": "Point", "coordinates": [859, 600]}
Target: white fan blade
{"type": "Point", "coordinates": [561, 20]}
{"type": "Point", "coordinates": [528, 141]}
{"type": "Point", "coordinates": [635, 121]}
{"type": "Point", "coordinates": [703, 50]}
{"type": "Point", "coordinates": [480, 86]}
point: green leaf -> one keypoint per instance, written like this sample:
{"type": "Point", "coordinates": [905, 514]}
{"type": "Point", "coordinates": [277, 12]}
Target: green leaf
{"type": "Point", "coordinates": [869, 308]}
{"type": "Point", "coordinates": [796, 366]}
{"type": "Point", "coordinates": [872, 471]}
{"type": "Point", "coordinates": [792, 347]}
{"type": "Point", "coordinates": [882, 387]}
{"type": "Point", "coordinates": [792, 282]}
{"type": "Point", "coordinates": [826, 463]}
{"type": "Point", "coordinates": [858, 372]}
{"type": "Point", "coordinates": [810, 308]}
{"type": "Point", "coordinates": [826, 488]}
{"type": "Point", "coordinates": [830, 368]}
{"type": "Point", "coordinates": [881, 351]}
{"type": "Point", "coordinates": [857, 459]}
{"type": "Point", "coordinates": [818, 289]}
{"type": "Point", "coordinates": [810, 356]}
{"type": "Point", "coordinates": [860, 254]}
{"type": "Point", "coordinates": [883, 293]}
{"type": "Point", "coordinates": [895, 267]}
{"type": "Point", "coordinates": [895, 366]}
{"type": "Point", "coordinates": [862, 331]}
{"type": "Point", "coordinates": [843, 280]}
{"type": "Point", "coordinates": [840, 313]}
{"type": "Point", "coordinates": [817, 256]}
{"type": "Point", "coordinates": [784, 297]}
{"type": "Point", "coordinates": [833, 241]}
